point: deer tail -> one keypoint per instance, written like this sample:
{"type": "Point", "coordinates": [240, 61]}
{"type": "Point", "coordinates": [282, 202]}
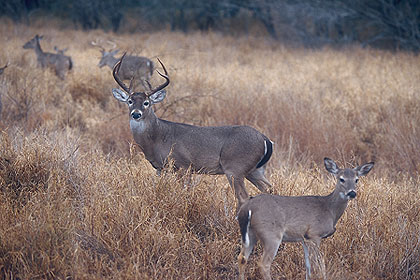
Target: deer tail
{"type": "Point", "coordinates": [268, 151]}
{"type": "Point", "coordinates": [244, 218]}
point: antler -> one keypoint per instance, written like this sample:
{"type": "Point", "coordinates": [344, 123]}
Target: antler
{"type": "Point", "coordinates": [96, 44]}
{"type": "Point", "coordinates": [117, 79]}
{"type": "Point", "coordinates": [162, 86]}
{"type": "Point", "coordinates": [113, 44]}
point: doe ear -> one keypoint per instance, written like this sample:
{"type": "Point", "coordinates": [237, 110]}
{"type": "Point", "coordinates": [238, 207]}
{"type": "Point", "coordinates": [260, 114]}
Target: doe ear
{"type": "Point", "coordinates": [364, 169]}
{"type": "Point", "coordinates": [120, 95]}
{"type": "Point", "coordinates": [157, 96]}
{"type": "Point", "coordinates": [331, 166]}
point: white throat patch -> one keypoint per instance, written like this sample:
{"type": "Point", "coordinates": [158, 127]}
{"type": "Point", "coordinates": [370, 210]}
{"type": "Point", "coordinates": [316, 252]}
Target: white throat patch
{"type": "Point", "coordinates": [137, 126]}
{"type": "Point", "coordinates": [344, 196]}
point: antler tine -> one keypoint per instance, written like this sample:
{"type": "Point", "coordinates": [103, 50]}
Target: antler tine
{"type": "Point", "coordinates": [165, 84]}
{"type": "Point", "coordinates": [131, 85]}
{"type": "Point", "coordinates": [93, 43]}
{"type": "Point", "coordinates": [117, 79]}
{"type": "Point", "coordinates": [113, 44]}
{"type": "Point", "coordinates": [146, 84]}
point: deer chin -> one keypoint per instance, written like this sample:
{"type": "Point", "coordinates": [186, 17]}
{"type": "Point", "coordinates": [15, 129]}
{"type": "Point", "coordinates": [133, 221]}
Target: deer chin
{"type": "Point", "coordinates": [137, 126]}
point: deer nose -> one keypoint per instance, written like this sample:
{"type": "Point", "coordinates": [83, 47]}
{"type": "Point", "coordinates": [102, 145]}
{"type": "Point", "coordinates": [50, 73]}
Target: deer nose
{"type": "Point", "coordinates": [136, 115]}
{"type": "Point", "coordinates": [352, 194]}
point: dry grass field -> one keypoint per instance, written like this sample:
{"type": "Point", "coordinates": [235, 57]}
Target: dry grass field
{"type": "Point", "coordinates": [78, 200]}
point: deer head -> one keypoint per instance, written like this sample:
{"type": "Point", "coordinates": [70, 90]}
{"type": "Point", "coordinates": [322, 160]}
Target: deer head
{"type": "Point", "coordinates": [139, 103]}
{"type": "Point", "coordinates": [32, 44]}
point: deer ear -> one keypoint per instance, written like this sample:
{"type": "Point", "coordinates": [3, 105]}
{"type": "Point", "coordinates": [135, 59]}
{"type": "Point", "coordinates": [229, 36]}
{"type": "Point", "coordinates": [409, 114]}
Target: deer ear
{"type": "Point", "coordinates": [157, 96]}
{"type": "Point", "coordinates": [364, 169]}
{"type": "Point", "coordinates": [120, 95]}
{"type": "Point", "coordinates": [331, 166]}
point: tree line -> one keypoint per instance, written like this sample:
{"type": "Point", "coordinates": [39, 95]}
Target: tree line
{"type": "Point", "coordinates": [386, 23]}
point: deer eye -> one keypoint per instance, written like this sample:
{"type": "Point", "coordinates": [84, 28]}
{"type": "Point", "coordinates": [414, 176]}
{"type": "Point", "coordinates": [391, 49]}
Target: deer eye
{"type": "Point", "coordinates": [342, 180]}
{"type": "Point", "coordinates": [146, 103]}
{"type": "Point", "coordinates": [130, 102]}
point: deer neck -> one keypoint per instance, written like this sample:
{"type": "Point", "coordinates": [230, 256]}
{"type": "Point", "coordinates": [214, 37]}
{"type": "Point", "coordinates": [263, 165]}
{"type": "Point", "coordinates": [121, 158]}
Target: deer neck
{"type": "Point", "coordinates": [38, 50]}
{"type": "Point", "coordinates": [112, 61]}
{"type": "Point", "coordinates": [149, 130]}
{"type": "Point", "coordinates": [336, 204]}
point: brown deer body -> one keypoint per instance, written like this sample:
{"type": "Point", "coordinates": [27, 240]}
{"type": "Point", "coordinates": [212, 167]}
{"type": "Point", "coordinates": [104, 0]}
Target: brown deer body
{"type": "Point", "coordinates": [273, 219]}
{"type": "Point", "coordinates": [239, 152]}
{"type": "Point", "coordinates": [60, 63]}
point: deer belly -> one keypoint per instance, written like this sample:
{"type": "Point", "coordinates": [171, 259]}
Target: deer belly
{"type": "Point", "coordinates": [199, 162]}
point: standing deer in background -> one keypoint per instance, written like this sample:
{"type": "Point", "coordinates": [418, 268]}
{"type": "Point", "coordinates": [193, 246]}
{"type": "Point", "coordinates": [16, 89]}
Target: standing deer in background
{"type": "Point", "coordinates": [138, 68]}
{"type": "Point", "coordinates": [58, 62]}
{"type": "Point", "coordinates": [1, 72]}
{"type": "Point", "coordinates": [239, 152]}
{"type": "Point", "coordinates": [58, 51]}
{"type": "Point", "coordinates": [273, 219]}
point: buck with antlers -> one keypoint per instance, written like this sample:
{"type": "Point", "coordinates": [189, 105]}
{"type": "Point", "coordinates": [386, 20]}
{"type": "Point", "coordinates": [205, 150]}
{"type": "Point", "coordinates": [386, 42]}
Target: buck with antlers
{"type": "Point", "coordinates": [239, 152]}
{"type": "Point", "coordinates": [60, 63]}
{"type": "Point", "coordinates": [273, 219]}
{"type": "Point", "coordinates": [137, 68]}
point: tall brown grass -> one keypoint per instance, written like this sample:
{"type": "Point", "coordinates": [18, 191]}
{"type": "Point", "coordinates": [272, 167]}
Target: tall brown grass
{"type": "Point", "coordinates": [79, 201]}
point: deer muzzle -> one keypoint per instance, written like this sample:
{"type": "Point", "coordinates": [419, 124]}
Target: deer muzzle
{"type": "Point", "coordinates": [351, 194]}
{"type": "Point", "coordinates": [136, 114]}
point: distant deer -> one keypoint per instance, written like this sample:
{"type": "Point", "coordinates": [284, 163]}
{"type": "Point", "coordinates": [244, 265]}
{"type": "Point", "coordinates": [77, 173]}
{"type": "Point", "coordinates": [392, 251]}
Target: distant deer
{"type": "Point", "coordinates": [58, 51]}
{"type": "Point", "coordinates": [138, 68]}
{"type": "Point", "coordinates": [239, 152]}
{"type": "Point", "coordinates": [58, 62]}
{"type": "Point", "coordinates": [273, 219]}
{"type": "Point", "coordinates": [1, 72]}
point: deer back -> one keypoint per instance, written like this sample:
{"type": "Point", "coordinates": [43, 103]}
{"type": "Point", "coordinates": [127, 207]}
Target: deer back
{"type": "Point", "coordinates": [137, 67]}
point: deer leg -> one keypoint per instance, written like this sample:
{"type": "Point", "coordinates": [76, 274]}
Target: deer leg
{"type": "Point", "coordinates": [312, 252]}
{"type": "Point", "coordinates": [238, 185]}
{"type": "Point", "coordinates": [307, 261]}
{"type": "Point", "coordinates": [257, 178]}
{"type": "Point", "coordinates": [271, 247]}
{"type": "Point", "coordinates": [245, 253]}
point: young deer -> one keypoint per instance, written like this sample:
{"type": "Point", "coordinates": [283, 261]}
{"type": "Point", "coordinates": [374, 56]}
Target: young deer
{"type": "Point", "coordinates": [273, 219]}
{"type": "Point", "coordinates": [137, 68]}
{"type": "Point", "coordinates": [239, 152]}
{"type": "Point", "coordinates": [58, 62]}
{"type": "Point", "coordinates": [58, 51]}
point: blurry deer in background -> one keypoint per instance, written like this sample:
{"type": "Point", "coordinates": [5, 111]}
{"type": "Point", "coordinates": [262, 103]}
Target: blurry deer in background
{"type": "Point", "coordinates": [138, 68]}
{"type": "Point", "coordinates": [58, 62]}
{"type": "Point", "coordinates": [239, 152]}
{"type": "Point", "coordinates": [273, 219]}
{"type": "Point", "coordinates": [1, 72]}
{"type": "Point", "coordinates": [58, 51]}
